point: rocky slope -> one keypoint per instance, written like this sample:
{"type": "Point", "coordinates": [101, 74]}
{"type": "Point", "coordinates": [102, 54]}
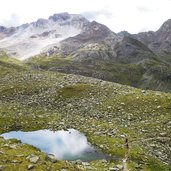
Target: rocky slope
{"type": "Point", "coordinates": [31, 39]}
{"type": "Point", "coordinates": [159, 41]}
{"type": "Point", "coordinates": [149, 73]}
{"type": "Point", "coordinates": [105, 112]}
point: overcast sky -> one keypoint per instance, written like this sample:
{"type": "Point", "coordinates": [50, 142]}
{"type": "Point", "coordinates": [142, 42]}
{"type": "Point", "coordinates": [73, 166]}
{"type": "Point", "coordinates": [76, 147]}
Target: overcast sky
{"type": "Point", "coordinates": [131, 15]}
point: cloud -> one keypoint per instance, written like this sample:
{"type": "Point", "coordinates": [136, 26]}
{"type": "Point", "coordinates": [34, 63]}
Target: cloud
{"type": "Point", "coordinates": [143, 9]}
{"type": "Point", "coordinates": [132, 15]}
{"type": "Point", "coordinates": [93, 15]}
{"type": "Point", "coordinates": [13, 20]}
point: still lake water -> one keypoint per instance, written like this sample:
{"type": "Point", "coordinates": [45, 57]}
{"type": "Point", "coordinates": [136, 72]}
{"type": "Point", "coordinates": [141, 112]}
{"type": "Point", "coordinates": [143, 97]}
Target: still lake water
{"type": "Point", "coordinates": [65, 145]}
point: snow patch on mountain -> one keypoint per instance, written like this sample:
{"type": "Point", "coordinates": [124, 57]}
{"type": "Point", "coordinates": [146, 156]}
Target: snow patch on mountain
{"type": "Point", "coordinates": [32, 39]}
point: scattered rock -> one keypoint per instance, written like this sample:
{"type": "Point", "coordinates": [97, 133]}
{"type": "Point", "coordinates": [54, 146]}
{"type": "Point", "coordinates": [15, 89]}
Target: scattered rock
{"type": "Point", "coordinates": [16, 161]}
{"type": "Point", "coordinates": [163, 134]}
{"type": "Point", "coordinates": [51, 157]}
{"type": "Point", "coordinates": [78, 162]}
{"type": "Point", "coordinates": [138, 166]}
{"type": "Point", "coordinates": [85, 164]}
{"type": "Point", "coordinates": [101, 146]}
{"type": "Point", "coordinates": [32, 158]}
{"type": "Point", "coordinates": [122, 136]}
{"type": "Point", "coordinates": [104, 161]}
{"type": "Point", "coordinates": [69, 105]}
{"type": "Point", "coordinates": [63, 170]}
{"type": "Point", "coordinates": [13, 146]}
{"type": "Point", "coordinates": [114, 169]}
{"type": "Point", "coordinates": [120, 167]}
{"type": "Point", "coordinates": [30, 166]}
{"type": "Point", "coordinates": [61, 123]}
{"type": "Point", "coordinates": [20, 155]}
{"type": "Point", "coordinates": [1, 168]}
{"type": "Point", "coordinates": [109, 107]}
{"type": "Point", "coordinates": [1, 152]}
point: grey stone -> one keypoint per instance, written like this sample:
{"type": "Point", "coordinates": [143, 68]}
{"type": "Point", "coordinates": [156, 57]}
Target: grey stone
{"type": "Point", "coordinates": [122, 136]}
{"type": "Point", "coordinates": [30, 166]}
{"type": "Point", "coordinates": [101, 146]}
{"type": "Point", "coordinates": [1, 168]}
{"type": "Point", "coordinates": [51, 157]}
{"type": "Point", "coordinates": [69, 105]}
{"type": "Point", "coordinates": [120, 167]}
{"type": "Point", "coordinates": [85, 164]}
{"type": "Point", "coordinates": [137, 166]}
{"type": "Point", "coordinates": [1, 152]}
{"type": "Point", "coordinates": [113, 169]}
{"type": "Point", "coordinates": [78, 162]}
{"type": "Point", "coordinates": [104, 161]}
{"type": "Point", "coordinates": [63, 170]}
{"type": "Point", "coordinates": [34, 159]}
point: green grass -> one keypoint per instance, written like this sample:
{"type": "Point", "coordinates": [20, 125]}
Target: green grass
{"type": "Point", "coordinates": [76, 90]}
{"type": "Point", "coordinates": [150, 73]}
{"type": "Point", "coordinates": [10, 65]}
{"type": "Point", "coordinates": [103, 111]}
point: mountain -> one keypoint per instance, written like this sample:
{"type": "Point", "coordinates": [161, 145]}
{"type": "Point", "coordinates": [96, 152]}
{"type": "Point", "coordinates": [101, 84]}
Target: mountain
{"type": "Point", "coordinates": [70, 43]}
{"type": "Point", "coordinates": [66, 34]}
{"type": "Point", "coordinates": [31, 39]}
{"type": "Point", "coordinates": [159, 41]}
{"type": "Point", "coordinates": [50, 91]}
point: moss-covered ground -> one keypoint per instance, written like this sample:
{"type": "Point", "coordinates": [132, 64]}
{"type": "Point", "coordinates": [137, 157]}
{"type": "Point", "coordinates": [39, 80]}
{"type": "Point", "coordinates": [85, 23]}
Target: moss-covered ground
{"type": "Point", "coordinates": [105, 112]}
{"type": "Point", "coordinates": [151, 73]}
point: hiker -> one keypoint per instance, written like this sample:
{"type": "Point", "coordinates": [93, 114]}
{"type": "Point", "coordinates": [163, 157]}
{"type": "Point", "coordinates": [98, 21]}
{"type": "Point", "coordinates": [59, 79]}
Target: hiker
{"type": "Point", "coordinates": [126, 143]}
{"type": "Point", "coordinates": [126, 149]}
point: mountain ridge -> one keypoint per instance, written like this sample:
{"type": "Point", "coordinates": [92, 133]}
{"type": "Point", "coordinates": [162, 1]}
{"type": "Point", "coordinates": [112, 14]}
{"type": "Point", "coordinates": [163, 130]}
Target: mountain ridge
{"type": "Point", "coordinates": [49, 91]}
{"type": "Point", "coordinates": [77, 27]}
{"type": "Point", "coordinates": [70, 43]}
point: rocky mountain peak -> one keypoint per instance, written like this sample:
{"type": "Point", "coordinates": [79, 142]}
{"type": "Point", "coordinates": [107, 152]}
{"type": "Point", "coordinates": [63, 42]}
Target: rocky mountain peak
{"type": "Point", "coordinates": [65, 18]}
{"type": "Point", "coordinates": [60, 17]}
{"type": "Point", "coordinates": [41, 22]}
{"type": "Point", "coordinates": [95, 29]}
{"type": "Point", "coordinates": [70, 32]}
{"type": "Point", "coordinates": [166, 26]}
{"type": "Point", "coordinates": [159, 41]}
{"type": "Point", "coordinates": [123, 34]}
{"type": "Point", "coordinates": [2, 28]}
{"type": "Point", "coordinates": [31, 39]}
{"type": "Point", "coordinates": [7, 31]}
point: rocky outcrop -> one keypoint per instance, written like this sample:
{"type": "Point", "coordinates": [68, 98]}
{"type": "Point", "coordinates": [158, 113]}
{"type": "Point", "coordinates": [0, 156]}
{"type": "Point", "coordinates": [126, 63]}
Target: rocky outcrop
{"type": "Point", "coordinates": [159, 41]}
{"type": "Point", "coordinates": [34, 38]}
{"type": "Point", "coordinates": [72, 34]}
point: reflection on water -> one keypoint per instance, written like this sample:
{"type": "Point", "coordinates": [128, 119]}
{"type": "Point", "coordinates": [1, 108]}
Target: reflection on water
{"type": "Point", "coordinates": [65, 145]}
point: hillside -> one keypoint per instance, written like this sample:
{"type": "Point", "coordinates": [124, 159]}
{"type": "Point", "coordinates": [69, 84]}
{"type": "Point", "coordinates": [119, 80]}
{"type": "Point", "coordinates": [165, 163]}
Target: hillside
{"type": "Point", "coordinates": [147, 73]}
{"type": "Point", "coordinates": [105, 112]}
{"type": "Point", "coordinates": [70, 43]}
